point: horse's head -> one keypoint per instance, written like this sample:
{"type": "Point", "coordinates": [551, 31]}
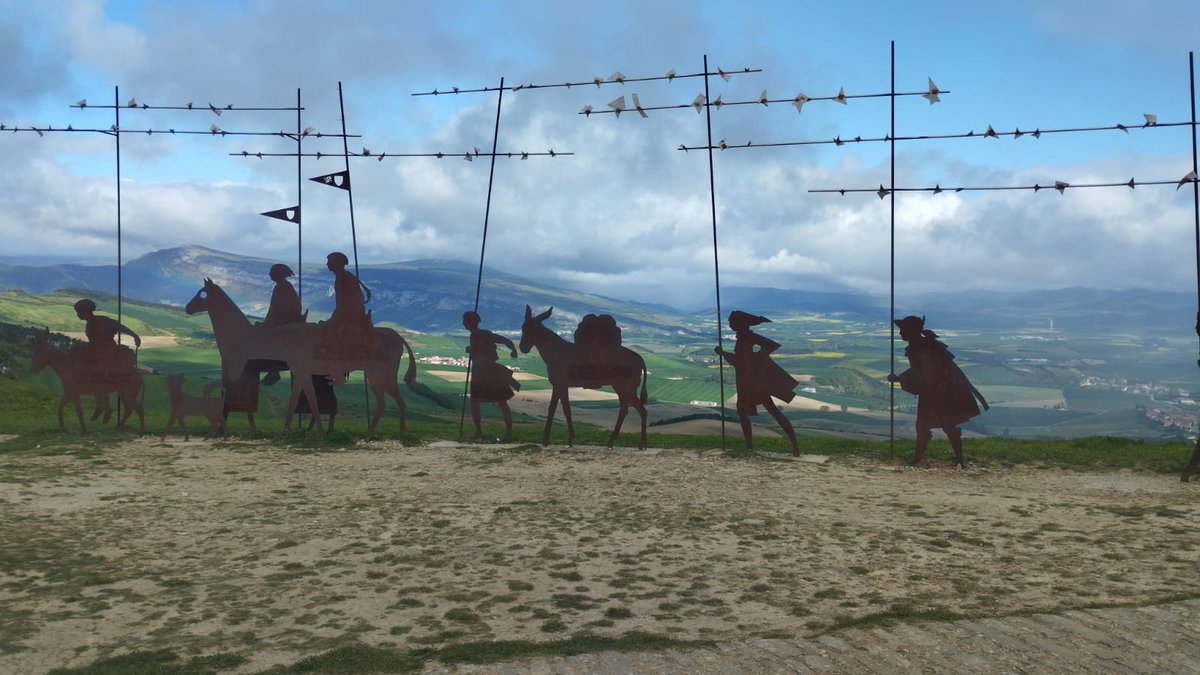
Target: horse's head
{"type": "Point", "coordinates": [199, 302]}
{"type": "Point", "coordinates": [531, 327]}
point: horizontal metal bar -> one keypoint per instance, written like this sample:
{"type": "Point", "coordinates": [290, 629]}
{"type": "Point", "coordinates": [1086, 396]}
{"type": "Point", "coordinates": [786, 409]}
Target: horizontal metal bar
{"type": "Point", "coordinates": [175, 132]}
{"type": "Point", "coordinates": [718, 104]}
{"type": "Point", "coordinates": [971, 134]}
{"type": "Point", "coordinates": [596, 81]}
{"type": "Point", "coordinates": [1037, 187]}
{"type": "Point", "coordinates": [381, 155]}
{"type": "Point", "coordinates": [196, 108]}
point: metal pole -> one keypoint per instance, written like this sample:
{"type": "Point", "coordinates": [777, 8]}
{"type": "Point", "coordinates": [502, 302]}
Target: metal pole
{"type": "Point", "coordinates": [117, 134]}
{"type": "Point", "coordinates": [299, 203]}
{"type": "Point", "coordinates": [120, 260]}
{"type": "Point", "coordinates": [487, 211]}
{"type": "Point", "coordinates": [353, 232]}
{"type": "Point", "coordinates": [892, 309]}
{"type": "Point", "coordinates": [712, 192]}
{"type": "Point", "coordinates": [1195, 182]}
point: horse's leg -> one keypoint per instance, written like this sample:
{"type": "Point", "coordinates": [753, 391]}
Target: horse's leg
{"type": "Point", "coordinates": [393, 390]}
{"type": "Point", "coordinates": [566, 404]}
{"type": "Point", "coordinates": [79, 413]}
{"type": "Point", "coordinates": [250, 421]}
{"type": "Point", "coordinates": [297, 389]}
{"type": "Point", "coordinates": [641, 408]}
{"type": "Point", "coordinates": [170, 423]}
{"type": "Point", "coordinates": [315, 406]}
{"type": "Point", "coordinates": [550, 415]}
{"type": "Point", "coordinates": [380, 404]}
{"type": "Point", "coordinates": [62, 403]}
{"type": "Point", "coordinates": [612, 440]}
{"type": "Point", "coordinates": [135, 404]}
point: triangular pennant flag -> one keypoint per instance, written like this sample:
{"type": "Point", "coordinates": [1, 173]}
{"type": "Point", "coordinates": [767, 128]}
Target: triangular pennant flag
{"type": "Point", "coordinates": [341, 179]}
{"type": "Point", "coordinates": [290, 214]}
{"type": "Point", "coordinates": [617, 104]}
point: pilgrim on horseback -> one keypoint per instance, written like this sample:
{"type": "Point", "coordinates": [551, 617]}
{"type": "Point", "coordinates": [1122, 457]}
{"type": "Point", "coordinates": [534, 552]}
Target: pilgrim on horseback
{"type": "Point", "coordinates": [295, 345]}
{"type": "Point", "coordinates": [759, 380]}
{"type": "Point", "coordinates": [349, 331]}
{"type": "Point", "coordinates": [490, 381]}
{"type": "Point", "coordinates": [101, 356]}
{"type": "Point", "coordinates": [78, 381]}
{"type": "Point", "coordinates": [284, 309]}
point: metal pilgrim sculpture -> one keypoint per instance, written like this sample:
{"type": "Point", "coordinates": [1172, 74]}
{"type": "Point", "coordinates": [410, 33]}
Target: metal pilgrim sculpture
{"type": "Point", "coordinates": [207, 406]}
{"type": "Point", "coordinates": [490, 381]}
{"type": "Point", "coordinates": [759, 380]}
{"type": "Point", "coordinates": [308, 349]}
{"type": "Point", "coordinates": [596, 359]}
{"type": "Point", "coordinates": [97, 369]}
{"type": "Point", "coordinates": [945, 397]}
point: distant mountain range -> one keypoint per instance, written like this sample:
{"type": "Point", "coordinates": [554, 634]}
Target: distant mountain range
{"type": "Point", "coordinates": [431, 295]}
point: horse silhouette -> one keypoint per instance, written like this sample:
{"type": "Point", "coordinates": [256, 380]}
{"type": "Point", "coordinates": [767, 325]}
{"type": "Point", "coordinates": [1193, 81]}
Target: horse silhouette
{"type": "Point", "coordinates": [569, 365]}
{"type": "Point", "coordinates": [78, 380]}
{"type": "Point", "coordinates": [299, 346]}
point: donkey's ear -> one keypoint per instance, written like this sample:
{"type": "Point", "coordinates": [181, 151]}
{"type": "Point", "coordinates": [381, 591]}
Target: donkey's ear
{"type": "Point", "coordinates": [528, 312]}
{"type": "Point", "coordinates": [545, 315]}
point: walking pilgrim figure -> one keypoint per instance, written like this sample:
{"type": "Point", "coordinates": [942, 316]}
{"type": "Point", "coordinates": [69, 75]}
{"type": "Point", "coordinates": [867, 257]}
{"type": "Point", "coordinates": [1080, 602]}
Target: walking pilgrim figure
{"type": "Point", "coordinates": [490, 381]}
{"type": "Point", "coordinates": [759, 380]}
{"type": "Point", "coordinates": [945, 397]}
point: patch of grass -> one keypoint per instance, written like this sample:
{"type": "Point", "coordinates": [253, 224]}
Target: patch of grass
{"type": "Point", "coordinates": [154, 663]}
{"type": "Point", "coordinates": [355, 658]}
{"type": "Point", "coordinates": [583, 643]}
{"type": "Point", "coordinates": [462, 615]}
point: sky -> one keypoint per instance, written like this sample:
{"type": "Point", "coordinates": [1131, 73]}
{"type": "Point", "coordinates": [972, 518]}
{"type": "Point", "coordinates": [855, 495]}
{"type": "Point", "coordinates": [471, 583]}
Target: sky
{"type": "Point", "coordinates": [620, 210]}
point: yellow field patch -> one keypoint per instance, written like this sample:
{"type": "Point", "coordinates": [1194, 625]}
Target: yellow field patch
{"type": "Point", "coordinates": [148, 341]}
{"type": "Point", "coordinates": [461, 375]}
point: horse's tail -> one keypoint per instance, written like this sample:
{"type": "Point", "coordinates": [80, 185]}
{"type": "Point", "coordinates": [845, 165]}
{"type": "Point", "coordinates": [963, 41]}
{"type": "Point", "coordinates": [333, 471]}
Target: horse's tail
{"type": "Point", "coordinates": [410, 374]}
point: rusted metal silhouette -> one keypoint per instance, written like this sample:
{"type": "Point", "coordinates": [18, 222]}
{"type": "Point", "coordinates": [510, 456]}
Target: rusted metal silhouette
{"type": "Point", "coordinates": [207, 406]}
{"type": "Point", "coordinates": [91, 376]}
{"type": "Point", "coordinates": [758, 378]}
{"type": "Point", "coordinates": [300, 346]}
{"type": "Point", "coordinates": [241, 393]}
{"type": "Point", "coordinates": [945, 397]}
{"type": "Point", "coordinates": [284, 309]}
{"type": "Point", "coordinates": [490, 381]}
{"type": "Point", "coordinates": [596, 363]}
{"type": "Point", "coordinates": [349, 333]}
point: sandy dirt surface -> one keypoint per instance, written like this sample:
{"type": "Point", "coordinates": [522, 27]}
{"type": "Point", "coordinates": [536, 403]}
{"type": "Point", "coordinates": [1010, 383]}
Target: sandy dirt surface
{"type": "Point", "coordinates": [277, 554]}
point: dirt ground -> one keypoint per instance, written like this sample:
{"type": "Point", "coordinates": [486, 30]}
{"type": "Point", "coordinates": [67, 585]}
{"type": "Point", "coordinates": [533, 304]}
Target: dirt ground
{"type": "Point", "coordinates": [279, 554]}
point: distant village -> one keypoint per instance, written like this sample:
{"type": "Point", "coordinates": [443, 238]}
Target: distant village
{"type": "Point", "coordinates": [1169, 419]}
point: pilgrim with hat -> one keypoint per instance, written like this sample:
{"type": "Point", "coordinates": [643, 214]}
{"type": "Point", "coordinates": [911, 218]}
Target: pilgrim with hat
{"type": "Point", "coordinates": [945, 397]}
{"type": "Point", "coordinates": [491, 382]}
{"type": "Point", "coordinates": [758, 378]}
